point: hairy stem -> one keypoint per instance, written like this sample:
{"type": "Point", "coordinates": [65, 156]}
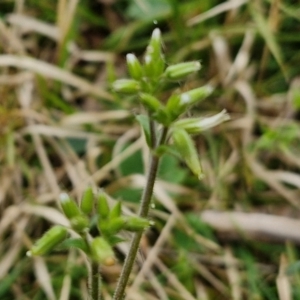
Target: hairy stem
{"type": "Point", "coordinates": [143, 212]}
{"type": "Point", "coordinates": [95, 279]}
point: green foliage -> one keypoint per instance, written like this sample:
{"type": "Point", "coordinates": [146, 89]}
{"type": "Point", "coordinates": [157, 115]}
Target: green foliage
{"type": "Point", "coordinates": [148, 10]}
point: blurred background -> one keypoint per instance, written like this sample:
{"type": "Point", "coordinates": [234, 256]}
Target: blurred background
{"type": "Point", "coordinates": [232, 235]}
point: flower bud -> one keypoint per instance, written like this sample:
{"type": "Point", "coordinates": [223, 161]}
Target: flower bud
{"type": "Point", "coordinates": [196, 95]}
{"type": "Point", "coordinates": [137, 224]}
{"type": "Point", "coordinates": [48, 241]}
{"type": "Point", "coordinates": [150, 102]}
{"type": "Point", "coordinates": [134, 67]}
{"type": "Point", "coordinates": [102, 206]}
{"type": "Point", "coordinates": [69, 206]}
{"type": "Point", "coordinates": [154, 59]}
{"type": "Point", "coordinates": [102, 252]}
{"type": "Point", "coordinates": [87, 201]}
{"type": "Point", "coordinates": [178, 104]}
{"type": "Point", "coordinates": [80, 223]}
{"type": "Point", "coordinates": [174, 109]}
{"type": "Point", "coordinates": [116, 211]}
{"type": "Point", "coordinates": [196, 125]}
{"type": "Point", "coordinates": [182, 70]}
{"type": "Point", "coordinates": [187, 150]}
{"type": "Point", "coordinates": [126, 86]}
{"type": "Point", "coordinates": [111, 227]}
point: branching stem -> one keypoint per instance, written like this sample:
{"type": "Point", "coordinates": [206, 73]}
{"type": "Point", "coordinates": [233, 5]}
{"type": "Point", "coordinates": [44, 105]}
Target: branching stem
{"type": "Point", "coordinates": [143, 212]}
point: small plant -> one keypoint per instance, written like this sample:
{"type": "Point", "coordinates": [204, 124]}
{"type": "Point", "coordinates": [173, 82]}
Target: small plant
{"type": "Point", "coordinates": [161, 125]}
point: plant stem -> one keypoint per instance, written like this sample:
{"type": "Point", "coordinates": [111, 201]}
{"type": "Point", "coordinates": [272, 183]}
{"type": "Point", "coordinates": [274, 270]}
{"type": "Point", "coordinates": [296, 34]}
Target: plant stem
{"type": "Point", "coordinates": [95, 279]}
{"type": "Point", "coordinates": [152, 134]}
{"type": "Point", "coordinates": [143, 212]}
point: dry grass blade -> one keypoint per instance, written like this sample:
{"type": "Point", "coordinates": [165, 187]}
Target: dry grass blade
{"type": "Point", "coordinates": [67, 281]}
{"type": "Point", "coordinates": [242, 58]}
{"type": "Point", "coordinates": [288, 177]}
{"type": "Point", "coordinates": [282, 281]}
{"type": "Point", "coordinates": [257, 225]}
{"type": "Point", "coordinates": [174, 282]}
{"type": "Point", "coordinates": [233, 275]}
{"type": "Point", "coordinates": [168, 203]}
{"type": "Point", "coordinates": [221, 49]}
{"type": "Point", "coordinates": [216, 10]}
{"type": "Point", "coordinates": [28, 24]}
{"type": "Point", "coordinates": [48, 213]}
{"type": "Point", "coordinates": [94, 117]}
{"type": "Point", "coordinates": [66, 287]}
{"type": "Point", "coordinates": [153, 253]}
{"type": "Point", "coordinates": [210, 277]}
{"type": "Point", "coordinates": [66, 11]}
{"type": "Point", "coordinates": [53, 72]}
{"type": "Point", "coordinates": [201, 291]}
{"type": "Point", "coordinates": [43, 277]}
{"type": "Point", "coordinates": [58, 131]}
{"type": "Point", "coordinates": [267, 177]}
{"type": "Point", "coordinates": [10, 215]}
{"type": "Point", "coordinates": [9, 258]}
{"type": "Point", "coordinates": [12, 41]}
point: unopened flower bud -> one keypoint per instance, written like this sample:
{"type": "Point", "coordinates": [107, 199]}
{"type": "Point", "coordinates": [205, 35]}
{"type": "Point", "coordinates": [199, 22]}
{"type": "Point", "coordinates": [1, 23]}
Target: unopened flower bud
{"type": "Point", "coordinates": [196, 125]}
{"type": "Point", "coordinates": [195, 95]}
{"type": "Point", "coordinates": [150, 102]}
{"type": "Point", "coordinates": [136, 224]}
{"type": "Point", "coordinates": [102, 206]}
{"type": "Point", "coordinates": [87, 201]}
{"type": "Point", "coordinates": [80, 223]}
{"type": "Point", "coordinates": [111, 227]}
{"type": "Point", "coordinates": [126, 86]}
{"type": "Point", "coordinates": [154, 59]}
{"type": "Point", "coordinates": [116, 210]}
{"type": "Point", "coordinates": [187, 150]}
{"type": "Point", "coordinates": [182, 70]}
{"type": "Point", "coordinates": [69, 206]}
{"type": "Point", "coordinates": [48, 241]}
{"type": "Point", "coordinates": [178, 104]}
{"type": "Point", "coordinates": [134, 66]}
{"type": "Point", "coordinates": [102, 252]}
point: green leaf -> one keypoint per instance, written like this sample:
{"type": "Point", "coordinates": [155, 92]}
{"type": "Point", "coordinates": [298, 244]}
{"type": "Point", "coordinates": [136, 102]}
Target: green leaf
{"type": "Point", "coordinates": [145, 125]}
{"type": "Point", "coordinates": [169, 168]}
{"type": "Point", "coordinates": [77, 243]}
{"type": "Point", "coordinates": [114, 239]}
